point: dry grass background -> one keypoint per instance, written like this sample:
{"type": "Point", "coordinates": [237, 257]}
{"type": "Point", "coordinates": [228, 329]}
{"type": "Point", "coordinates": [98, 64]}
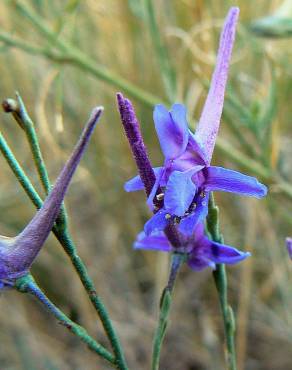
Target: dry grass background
{"type": "Point", "coordinates": [104, 220]}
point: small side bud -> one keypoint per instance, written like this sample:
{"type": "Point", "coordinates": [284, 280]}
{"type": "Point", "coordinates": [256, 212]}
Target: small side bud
{"type": "Point", "coordinates": [15, 107]}
{"type": "Point", "coordinates": [10, 105]}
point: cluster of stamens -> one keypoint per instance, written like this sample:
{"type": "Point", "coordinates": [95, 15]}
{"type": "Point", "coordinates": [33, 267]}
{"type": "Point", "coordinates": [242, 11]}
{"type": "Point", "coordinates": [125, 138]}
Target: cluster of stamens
{"type": "Point", "coordinates": [176, 219]}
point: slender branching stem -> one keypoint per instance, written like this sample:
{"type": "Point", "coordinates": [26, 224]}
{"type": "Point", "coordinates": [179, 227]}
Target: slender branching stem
{"type": "Point", "coordinates": [220, 279]}
{"type": "Point", "coordinates": [88, 284]}
{"type": "Point", "coordinates": [19, 173]}
{"type": "Point", "coordinates": [65, 240]}
{"type": "Point", "coordinates": [20, 114]}
{"type": "Point", "coordinates": [165, 304]}
{"type": "Point", "coordinates": [23, 118]}
{"type": "Point", "coordinates": [27, 284]}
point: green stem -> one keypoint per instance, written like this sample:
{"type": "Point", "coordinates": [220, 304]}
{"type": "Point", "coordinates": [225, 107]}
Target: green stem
{"type": "Point", "coordinates": [88, 284]}
{"type": "Point", "coordinates": [78, 58]}
{"type": "Point", "coordinates": [30, 49]}
{"type": "Point", "coordinates": [19, 173]}
{"type": "Point", "coordinates": [63, 237]}
{"type": "Point", "coordinates": [27, 124]}
{"type": "Point", "coordinates": [220, 279]}
{"type": "Point", "coordinates": [20, 114]}
{"type": "Point", "coordinates": [165, 303]}
{"type": "Point", "coordinates": [27, 284]}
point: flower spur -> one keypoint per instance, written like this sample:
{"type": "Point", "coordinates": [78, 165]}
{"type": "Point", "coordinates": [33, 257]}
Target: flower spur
{"type": "Point", "coordinates": [18, 253]}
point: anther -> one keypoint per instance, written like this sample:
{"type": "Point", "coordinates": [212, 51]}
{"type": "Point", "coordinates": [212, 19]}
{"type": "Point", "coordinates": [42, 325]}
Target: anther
{"type": "Point", "coordinates": [176, 220]}
{"type": "Point", "coordinates": [160, 196]}
{"type": "Point", "coordinates": [194, 206]}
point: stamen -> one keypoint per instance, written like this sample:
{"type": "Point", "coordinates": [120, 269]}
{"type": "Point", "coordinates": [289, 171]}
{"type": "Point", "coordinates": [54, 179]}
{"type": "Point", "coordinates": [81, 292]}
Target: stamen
{"type": "Point", "coordinates": [176, 220]}
{"type": "Point", "coordinates": [193, 207]}
{"type": "Point", "coordinates": [160, 196]}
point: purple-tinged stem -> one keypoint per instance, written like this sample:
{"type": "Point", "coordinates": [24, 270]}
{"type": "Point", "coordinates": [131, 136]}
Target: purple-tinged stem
{"type": "Point", "coordinates": [29, 242]}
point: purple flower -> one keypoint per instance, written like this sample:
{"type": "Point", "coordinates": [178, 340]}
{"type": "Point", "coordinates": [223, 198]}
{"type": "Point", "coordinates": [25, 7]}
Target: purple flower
{"type": "Point", "coordinates": [289, 246]}
{"type": "Point", "coordinates": [178, 192]}
{"type": "Point", "coordinates": [17, 254]}
{"type": "Point", "coordinates": [186, 177]}
{"type": "Point", "coordinates": [200, 251]}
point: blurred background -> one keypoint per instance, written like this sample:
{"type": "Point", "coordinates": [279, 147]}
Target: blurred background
{"type": "Point", "coordinates": [65, 57]}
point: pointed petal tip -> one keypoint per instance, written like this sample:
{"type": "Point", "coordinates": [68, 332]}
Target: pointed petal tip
{"type": "Point", "coordinates": [136, 246]}
{"type": "Point", "coordinates": [264, 190]}
{"type": "Point", "coordinates": [241, 256]}
{"type": "Point", "coordinates": [172, 129]}
{"type": "Point", "coordinates": [261, 190]}
{"type": "Point", "coordinates": [133, 184]}
{"type": "Point", "coordinates": [222, 253]}
{"type": "Point", "coordinates": [224, 179]}
{"type": "Point", "coordinates": [179, 106]}
{"type": "Point", "coordinates": [160, 109]}
{"type": "Point", "coordinates": [246, 254]}
{"type": "Point", "coordinates": [156, 242]}
{"type": "Point", "coordinates": [127, 187]}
